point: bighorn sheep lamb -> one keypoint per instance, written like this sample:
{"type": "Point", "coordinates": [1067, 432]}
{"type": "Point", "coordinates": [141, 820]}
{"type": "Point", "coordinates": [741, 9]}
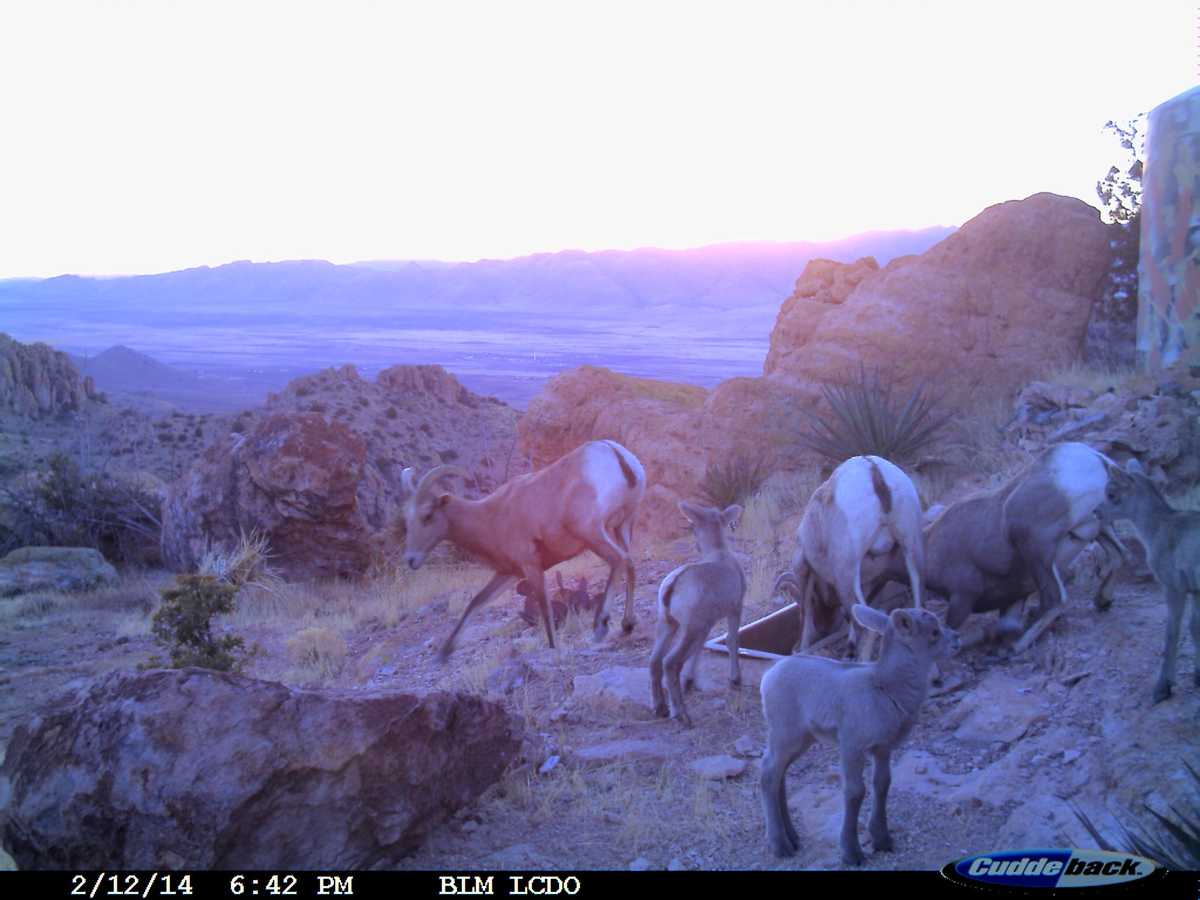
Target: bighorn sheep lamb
{"type": "Point", "coordinates": [867, 507]}
{"type": "Point", "coordinates": [586, 500]}
{"type": "Point", "coordinates": [690, 601]}
{"type": "Point", "coordinates": [992, 551]}
{"type": "Point", "coordinates": [1172, 541]}
{"type": "Point", "coordinates": [863, 707]}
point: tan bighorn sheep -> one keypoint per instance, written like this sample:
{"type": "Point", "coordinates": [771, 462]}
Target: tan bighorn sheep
{"type": "Point", "coordinates": [690, 601]}
{"type": "Point", "coordinates": [992, 551]}
{"type": "Point", "coordinates": [586, 500]}
{"type": "Point", "coordinates": [867, 507]}
{"type": "Point", "coordinates": [863, 707]}
{"type": "Point", "coordinates": [1172, 541]}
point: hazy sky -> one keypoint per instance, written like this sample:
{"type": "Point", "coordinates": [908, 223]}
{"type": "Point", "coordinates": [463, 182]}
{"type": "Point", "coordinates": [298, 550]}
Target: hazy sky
{"type": "Point", "coordinates": [148, 136]}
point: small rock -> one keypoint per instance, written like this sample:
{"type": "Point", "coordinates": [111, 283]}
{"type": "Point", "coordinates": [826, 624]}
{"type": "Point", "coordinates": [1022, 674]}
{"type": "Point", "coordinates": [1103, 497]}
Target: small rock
{"type": "Point", "coordinates": [625, 751]}
{"type": "Point", "coordinates": [641, 864]}
{"type": "Point", "coordinates": [719, 767]}
{"type": "Point", "coordinates": [548, 765]}
{"type": "Point", "coordinates": [676, 865]}
{"type": "Point", "coordinates": [747, 746]}
{"type": "Point", "coordinates": [469, 825]}
{"type": "Point", "coordinates": [1069, 756]}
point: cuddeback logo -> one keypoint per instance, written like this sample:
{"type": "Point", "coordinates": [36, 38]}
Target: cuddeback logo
{"type": "Point", "coordinates": [1057, 868]}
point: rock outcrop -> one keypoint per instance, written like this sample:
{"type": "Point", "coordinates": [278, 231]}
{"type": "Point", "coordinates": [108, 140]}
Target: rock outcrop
{"type": "Point", "coordinates": [194, 769]}
{"type": "Point", "coordinates": [317, 469]}
{"type": "Point", "coordinates": [992, 306]}
{"type": "Point", "coordinates": [36, 380]}
{"type": "Point", "coordinates": [54, 569]}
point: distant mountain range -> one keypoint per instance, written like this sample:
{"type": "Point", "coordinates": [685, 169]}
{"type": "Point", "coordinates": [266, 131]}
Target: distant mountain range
{"type": "Point", "coordinates": [503, 326]}
{"type": "Point", "coordinates": [721, 276]}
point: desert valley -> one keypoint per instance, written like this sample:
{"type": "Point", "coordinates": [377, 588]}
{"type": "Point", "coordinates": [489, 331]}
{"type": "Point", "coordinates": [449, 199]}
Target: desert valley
{"type": "Point", "coordinates": [261, 438]}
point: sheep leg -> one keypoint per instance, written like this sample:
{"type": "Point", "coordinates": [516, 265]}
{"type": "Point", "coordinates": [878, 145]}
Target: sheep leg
{"type": "Point", "coordinates": [733, 622]}
{"type": "Point", "coordinates": [1196, 634]}
{"type": "Point", "coordinates": [625, 538]}
{"type": "Point", "coordinates": [854, 790]}
{"type": "Point", "coordinates": [1051, 606]}
{"type": "Point", "coordinates": [1114, 553]}
{"type": "Point", "coordinates": [691, 641]}
{"type": "Point", "coordinates": [880, 836]}
{"type": "Point", "coordinates": [781, 833]}
{"type": "Point", "coordinates": [536, 579]}
{"type": "Point", "coordinates": [491, 589]}
{"type": "Point", "coordinates": [608, 551]}
{"type": "Point", "coordinates": [1175, 604]}
{"type": "Point", "coordinates": [666, 630]}
{"type": "Point", "coordinates": [914, 578]}
{"type": "Point", "coordinates": [689, 670]}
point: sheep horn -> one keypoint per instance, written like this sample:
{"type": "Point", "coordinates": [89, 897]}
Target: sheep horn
{"type": "Point", "coordinates": [439, 472]}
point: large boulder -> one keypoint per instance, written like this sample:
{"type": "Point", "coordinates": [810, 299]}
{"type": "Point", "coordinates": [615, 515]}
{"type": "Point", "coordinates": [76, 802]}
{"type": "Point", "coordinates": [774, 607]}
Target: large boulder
{"type": "Point", "coordinates": [986, 310]}
{"type": "Point", "coordinates": [36, 380]}
{"type": "Point", "coordinates": [171, 769]}
{"type": "Point", "coordinates": [54, 569]}
{"type": "Point", "coordinates": [317, 470]}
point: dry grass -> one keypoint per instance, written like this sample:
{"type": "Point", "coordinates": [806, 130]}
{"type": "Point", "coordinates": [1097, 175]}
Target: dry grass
{"type": "Point", "coordinates": [1097, 379]}
{"type": "Point", "coordinates": [319, 652]}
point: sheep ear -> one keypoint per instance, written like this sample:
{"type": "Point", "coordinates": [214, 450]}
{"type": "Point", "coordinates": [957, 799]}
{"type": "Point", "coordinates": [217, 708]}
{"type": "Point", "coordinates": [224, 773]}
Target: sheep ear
{"type": "Point", "coordinates": [731, 515]}
{"type": "Point", "coordinates": [442, 500]}
{"type": "Point", "coordinates": [902, 621]}
{"type": "Point", "coordinates": [1133, 467]}
{"type": "Point", "coordinates": [870, 618]}
{"type": "Point", "coordinates": [688, 510]}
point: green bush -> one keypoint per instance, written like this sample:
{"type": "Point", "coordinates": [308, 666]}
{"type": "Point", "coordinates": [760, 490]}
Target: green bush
{"type": "Point", "coordinates": [183, 624]}
{"type": "Point", "coordinates": [868, 420]}
{"type": "Point", "coordinates": [732, 482]}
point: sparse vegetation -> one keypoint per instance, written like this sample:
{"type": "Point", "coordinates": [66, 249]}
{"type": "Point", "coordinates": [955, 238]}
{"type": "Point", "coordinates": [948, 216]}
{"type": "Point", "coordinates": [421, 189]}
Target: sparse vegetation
{"type": "Point", "coordinates": [247, 563]}
{"type": "Point", "coordinates": [868, 420]}
{"type": "Point", "coordinates": [65, 507]}
{"type": "Point", "coordinates": [733, 481]}
{"type": "Point", "coordinates": [1174, 842]}
{"type": "Point", "coordinates": [183, 624]}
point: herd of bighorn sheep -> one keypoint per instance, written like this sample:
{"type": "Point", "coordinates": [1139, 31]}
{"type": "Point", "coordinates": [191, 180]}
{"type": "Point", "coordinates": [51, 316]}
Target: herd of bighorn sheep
{"type": "Point", "coordinates": [862, 529]}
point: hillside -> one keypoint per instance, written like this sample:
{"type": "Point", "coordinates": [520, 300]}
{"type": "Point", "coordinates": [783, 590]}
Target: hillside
{"type": "Point", "coordinates": [132, 376]}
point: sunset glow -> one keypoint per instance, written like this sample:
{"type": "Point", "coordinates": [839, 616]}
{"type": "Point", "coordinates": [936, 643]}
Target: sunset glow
{"type": "Point", "coordinates": [150, 136]}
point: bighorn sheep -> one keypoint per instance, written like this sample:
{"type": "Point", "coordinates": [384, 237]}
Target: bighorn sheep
{"type": "Point", "coordinates": [584, 501]}
{"type": "Point", "coordinates": [867, 507]}
{"type": "Point", "coordinates": [1172, 541]}
{"type": "Point", "coordinates": [992, 551]}
{"type": "Point", "coordinates": [690, 601]}
{"type": "Point", "coordinates": [863, 707]}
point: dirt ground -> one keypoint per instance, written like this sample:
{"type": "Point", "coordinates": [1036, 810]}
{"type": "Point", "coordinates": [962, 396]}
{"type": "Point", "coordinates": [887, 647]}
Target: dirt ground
{"type": "Point", "coordinates": [1091, 735]}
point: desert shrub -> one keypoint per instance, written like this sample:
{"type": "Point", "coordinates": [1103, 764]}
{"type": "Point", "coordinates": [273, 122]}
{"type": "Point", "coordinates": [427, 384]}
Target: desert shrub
{"type": "Point", "coordinates": [183, 624]}
{"type": "Point", "coordinates": [392, 412]}
{"type": "Point", "coordinates": [732, 481]}
{"type": "Point", "coordinates": [1173, 842]}
{"type": "Point", "coordinates": [66, 508]}
{"type": "Point", "coordinates": [319, 649]}
{"type": "Point", "coordinates": [868, 420]}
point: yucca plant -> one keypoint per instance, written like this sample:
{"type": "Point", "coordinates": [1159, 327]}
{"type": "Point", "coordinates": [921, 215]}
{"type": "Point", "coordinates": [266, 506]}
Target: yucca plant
{"type": "Point", "coordinates": [1176, 844]}
{"type": "Point", "coordinates": [732, 481]}
{"type": "Point", "coordinates": [868, 420]}
{"type": "Point", "coordinates": [246, 564]}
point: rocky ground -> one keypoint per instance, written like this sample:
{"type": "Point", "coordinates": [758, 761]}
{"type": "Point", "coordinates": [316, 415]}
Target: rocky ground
{"type": "Point", "coordinates": [1001, 751]}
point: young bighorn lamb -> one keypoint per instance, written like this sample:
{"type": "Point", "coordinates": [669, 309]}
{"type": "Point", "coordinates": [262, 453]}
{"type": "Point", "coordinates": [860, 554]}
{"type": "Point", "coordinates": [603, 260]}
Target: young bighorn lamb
{"type": "Point", "coordinates": [1172, 541]}
{"type": "Point", "coordinates": [992, 551]}
{"type": "Point", "coordinates": [586, 500]}
{"type": "Point", "coordinates": [690, 601]}
{"type": "Point", "coordinates": [863, 707]}
{"type": "Point", "coordinates": [867, 507]}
